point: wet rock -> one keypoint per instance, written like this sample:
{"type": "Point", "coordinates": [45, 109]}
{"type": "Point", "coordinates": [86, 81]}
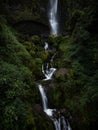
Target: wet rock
{"type": "Point", "coordinates": [31, 27]}
{"type": "Point", "coordinates": [61, 72]}
{"type": "Point", "coordinates": [62, 112]}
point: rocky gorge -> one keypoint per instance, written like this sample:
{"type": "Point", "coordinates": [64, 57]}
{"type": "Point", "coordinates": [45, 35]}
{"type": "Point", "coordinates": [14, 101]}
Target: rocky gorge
{"type": "Point", "coordinates": [73, 51]}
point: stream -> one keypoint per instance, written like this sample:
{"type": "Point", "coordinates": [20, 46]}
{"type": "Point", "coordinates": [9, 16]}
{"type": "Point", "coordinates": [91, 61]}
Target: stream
{"type": "Point", "coordinates": [59, 122]}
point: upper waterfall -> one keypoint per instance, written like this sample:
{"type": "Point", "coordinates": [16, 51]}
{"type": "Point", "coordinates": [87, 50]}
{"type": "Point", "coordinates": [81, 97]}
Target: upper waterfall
{"type": "Point", "coordinates": [53, 20]}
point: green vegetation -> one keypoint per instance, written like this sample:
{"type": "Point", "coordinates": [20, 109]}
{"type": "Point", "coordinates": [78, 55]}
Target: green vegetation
{"type": "Point", "coordinates": [77, 90]}
{"type": "Point", "coordinates": [20, 65]}
{"type": "Point", "coordinates": [21, 57]}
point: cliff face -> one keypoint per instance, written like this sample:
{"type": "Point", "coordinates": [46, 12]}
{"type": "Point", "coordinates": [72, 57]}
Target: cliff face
{"type": "Point", "coordinates": [70, 12]}
{"type": "Point", "coordinates": [32, 12]}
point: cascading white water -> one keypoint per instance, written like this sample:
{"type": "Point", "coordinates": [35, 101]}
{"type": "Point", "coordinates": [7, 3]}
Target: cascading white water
{"type": "Point", "coordinates": [64, 127]}
{"type": "Point", "coordinates": [57, 124]}
{"type": "Point", "coordinates": [43, 95]}
{"type": "Point", "coordinates": [58, 120]}
{"type": "Point", "coordinates": [48, 111]}
{"type": "Point", "coordinates": [48, 73]}
{"type": "Point", "coordinates": [46, 46]}
{"type": "Point", "coordinates": [69, 127]}
{"type": "Point", "coordinates": [53, 20]}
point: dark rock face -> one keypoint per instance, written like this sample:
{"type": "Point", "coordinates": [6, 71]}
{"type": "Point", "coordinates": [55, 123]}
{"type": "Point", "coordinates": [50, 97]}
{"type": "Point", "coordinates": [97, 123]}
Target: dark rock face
{"type": "Point", "coordinates": [28, 17]}
{"type": "Point", "coordinates": [27, 11]}
{"type": "Point", "coordinates": [61, 71]}
{"type": "Point", "coordinates": [17, 11]}
{"type": "Point", "coordinates": [32, 27]}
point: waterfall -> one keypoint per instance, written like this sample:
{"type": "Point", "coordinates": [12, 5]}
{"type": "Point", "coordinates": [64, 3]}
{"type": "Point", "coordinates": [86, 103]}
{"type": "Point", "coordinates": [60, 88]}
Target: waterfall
{"type": "Point", "coordinates": [53, 20]}
{"type": "Point", "coordinates": [43, 95]}
{"type": "Point", "coordinates": [46, 46]}
{"type": "Point", "coordinates": [47, 110]}
{"type": "Point", "coordinates": [48, 72]}
{"type": "Point", "coordinates": [69, 127]}
{"type": "Point", "coordinates": [64, 124]}
{"type": "Point", "coordinates": [59, 122]}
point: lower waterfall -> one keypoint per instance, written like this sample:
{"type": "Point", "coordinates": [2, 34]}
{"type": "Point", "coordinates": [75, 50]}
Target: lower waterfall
{"type": "Point", "coordinates": [61, 123]}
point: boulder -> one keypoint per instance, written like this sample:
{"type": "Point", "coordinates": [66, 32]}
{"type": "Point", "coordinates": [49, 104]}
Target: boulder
{"type": "Point", "coordinates": [61, 72]}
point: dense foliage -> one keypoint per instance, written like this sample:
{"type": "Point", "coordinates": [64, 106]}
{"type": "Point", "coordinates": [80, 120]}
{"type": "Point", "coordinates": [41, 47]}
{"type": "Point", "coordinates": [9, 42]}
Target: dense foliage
{"type": "Point", "coordinates": [21, 57]}
{"type": "Point", "coordinates": [20, 65]}
{"type": "Point", "coordinates": [78, 52]}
